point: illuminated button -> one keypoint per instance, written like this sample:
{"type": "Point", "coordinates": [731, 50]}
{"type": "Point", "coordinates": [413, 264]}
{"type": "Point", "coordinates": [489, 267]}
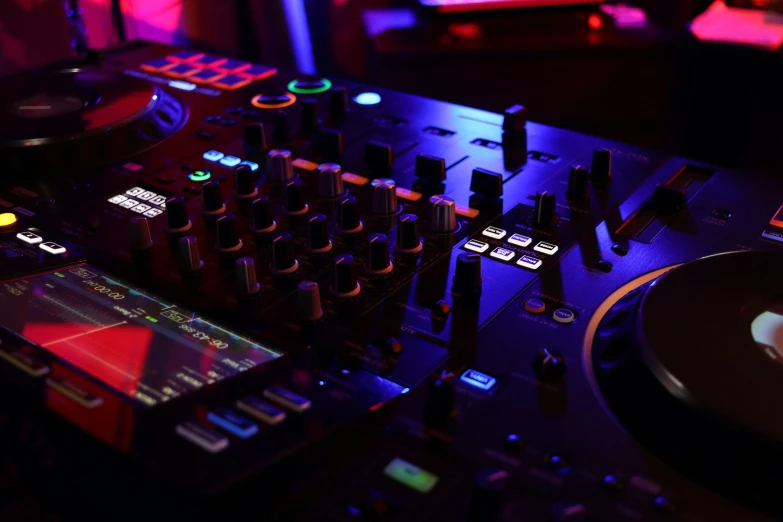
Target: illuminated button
{"type": "Point", "coordinates": [564, 316]}
{"type": "Point", "coordinates": [253, 166]}
{"type": "Point", "coordinates": [273, 101]}
{"type": "Point", "coordinates": [132, 167]}
{"type": "Point", "coordinates": [231, 82]}
{"type": "Point", "coordinates": [117, 199]}
{"type": "Point", "coordinates": [209, 61]}
{"type": "Point", "coordinates": [410, 475]}
{"type": "Point", "coordinates": [52, 248]}
{"type": "Point", "coordinates": [545, 248]}
{"type": "Point", "coordinates": [476, 246]}
{"type": "Point", "coordinates": [146, 195]}
{"type": "Point", "coordinates": [502, 253]}
{"type": "Point", "coordinates": [185, 56]}
{"type": "Point", "coordinates": [213, 155]}
{"type": "Point", "coordinates": [205, 76]}
{"type": "Point", "coordinates": [129, 203]}
{"type": "Point", "coordinates": [478, 380]}
{"type": "Point", "coordinates": [25, 362]}
{"type": "Point", "coordinates": [258, 72]}
{"type": "Point", "coordinates": [261, 410]}
{"type": "Point", "coordinates": [233, 66]}
{"type": "Point", "coordinates": [368, 98]}
{"type": "Point", "coordinates": [29, 238]}
{"type": "Point", "coordinates": [159, 65]}
{"type": "Point", "coordinates": [287, 398]}
{"type": "Point", "coordinates": [202, 437]}
{"type": "Point", "coordinates": [7, 219]}
{"type": "Point", "coordinates": [74, 391]}
{"type": "Point", "coordinates": [530, 262]}
{"type": "Point", "coordinates": [181, 70]}
{"type": "Point", "coordinates": [494, 232]}
{"type": "Point", "coordinates": [135, 191]}
{"type": "Point", "coordinates": [230, 161]}
{"type": "Point", "coordinates": [777, 219]}
{"type": "Point", "coordinates": [182, 86]}
{"type": "Point", "coordinates": [141, 208]}
{"type": "Point", "coordinates": [153, 212]}
{"type": "Point", "coordinates": [535, 306]}
{"type": "Point", "coordinates": [313, 86]}
{"type": "Point", "coordinates": [520, 240]}
{"type": "Point", "coordinates": [233, 423]}
{"type": "Point", "coordinates": [200, 175]}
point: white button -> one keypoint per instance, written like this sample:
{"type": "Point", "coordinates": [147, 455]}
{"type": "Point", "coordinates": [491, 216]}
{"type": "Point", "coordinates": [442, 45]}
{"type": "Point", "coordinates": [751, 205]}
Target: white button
{"type": "Point", "coordinates": [135, 191]}
{"type": "Point", "coordinates": [230, 161]}
{"type": "Point", "coordinates": [29, 238]}
{"type": "Point", "coordinates": [141, 207]}
{"type": "Point", "coordinates": [476, 246]}
{"type": "Point", "coordinates": [213, 155]}
{"type": "Point", "coordinates": [494, 232]}
{"type": "Point", "coordinates": [117, 199]}
{"type": "Point", "coordinates": [128, 203]}
{"type": "Point", "coordinates": [545, 248]}
{"type": "Point", "coordinates": [144, 196]}
{"type": "Point", "coordinates": [502, 253]}
{"type": "Point", "coordinates": [52, 248]}
{"type": "Point", "coordinates": [529, 262]}
{"type": "Point", "coordinates": [158, 200]}
{"type": "Point", "coordinates": [153, 212]}
{"type": "Point", "coordinates": [520, 240]}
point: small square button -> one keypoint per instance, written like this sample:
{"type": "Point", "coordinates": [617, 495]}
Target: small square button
{"type": "Point", "coordinates": [476, 246]}
{"type": "Point", "coordinates": [146, 196]}
{"type": "Point", "coordinates": [258, 72]}
{"type": "Point", "coordinates": [231, 82]}
{"type": "Point", "coordinates": [213, 155]}
{"type": "Point", "coordinates": [253, 166]}
{"type": "Point", "coordinates": [159, 65]}
{"type": "Point", "coordinates": [502, 253]}
{"type": "Point", "coordinates": [494, 232]}
{"type": "Point", "coordinates": [158, 200]}
{"type": "Point", "coordinates": [230, 161]}
{"type": "Point", "coordinates": [520, 240]}
{"type": "Point", "coordinates": [117, 199]}
{"type": "Point", "coordinates": [29, 237]}
{"type": "Point", "coordinates": [205, 76]}
{"type": "Point", "coordinates": [479, 380]}
{"type": "Point", "coordinates": [52, 248]}
{"type": "Point", "coordinates": [209, 61]}
{"type": "Point", "coordinates": [233, 66]}
{"type": "Point", "coordinates": [185, 56]}
{"type": "Point", "coordinates": [181, 70]}
{"type": "Point", "coordinates": [545, 248]}
{"type": "Point", "coordinates": [141, 208]}
{"type": "Point", "coordinates": [153, 212]}
{"type": "Point", "coordinates": [128, 203]}
{"type": "Point", "coordinates": [529, 262]}
{"type": "Point", "coordinates": [135, 191]}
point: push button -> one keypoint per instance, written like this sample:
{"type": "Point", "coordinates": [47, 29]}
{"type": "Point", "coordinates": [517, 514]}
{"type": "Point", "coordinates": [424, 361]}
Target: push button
{"type": "Point", "coordinates": [7, 219]}
{"type": "Point", "coordinates": [476, 246]}
{"type": "Point", "coordinates": [29, 237]}
{"type": "Point", "coordinates": [494, 232]}
{"type": "Point", "coordinates": [529, 262]}
{"type": "Point", "coordinates": [185, 56]}
{"type": "Point", "coordinates": [233, 66]}
{"type": "Point", "coordinates": [253, 165]}
{"type": "Point", "coordinates": [202, 437]}
{"type": "Point", "coordinates": [209, 61]}
{"type": "Point", "coordinates": [410, 475]}
{"type": "Point", "coordinates": [287, 398]}
{"type": "Point", "coordinates": [535, 306]}
{"type": "Point", "coordinates": [258, 72]}
{"type": "Point", "coordinates": [261, 410]}
{"type": "Point", "coordinates": [181, 70]}
{"type": "Point", "coordinates": [52, 248]}
{"type": "Point", "coordinates": [159, 65]}
{"type": "Point", "coordinates": [502, 253]}
{"type": "Point", "coordinates": [212, 155]}
{"type": "Point", "coordinates": [545, 248]}
{"type": "Point", "coordinates": [233, 423]}
{"type": "Point", "coordinates": [231, 82]}
{"type": "Point", "coordinates": [205, 76]}
{"type": "Point", "coordinates": [478, 380]}
{"type": "Point", "coordinates": [520, 240]}
{"type": "Point", "coordinates": [564, 316]}
{"type": "Point", "coordinates": [230, 161]}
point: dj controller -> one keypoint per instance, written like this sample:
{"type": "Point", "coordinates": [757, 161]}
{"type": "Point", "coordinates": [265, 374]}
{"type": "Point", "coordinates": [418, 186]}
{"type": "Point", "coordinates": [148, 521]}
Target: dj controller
{"type": "Point", "coordinates": [231, 292]}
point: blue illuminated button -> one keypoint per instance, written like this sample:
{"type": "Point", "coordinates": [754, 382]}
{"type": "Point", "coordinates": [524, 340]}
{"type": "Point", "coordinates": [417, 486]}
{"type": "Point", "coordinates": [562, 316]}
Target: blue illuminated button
{"type": "Point", "coordinates": [535, 306]}
{"type": "Point", "coordinates": [520, 240]}
{"type": "Point", "coordinates": [476, 246]}
{"type": "Point", "coordinates": [478, 380]}
{"type": "Point", "coordinates": [564, 316]}
{"type": "Point", "coordinates": [202, 437]}
{"type": "Point", "coordinates": [494, 232]}
{"type": "Point", "coordinates": [261, 410]}
{"type": "Point", "coordinates": [502, 253]}
{"type": "Point", "coordinates": [368, 98]}
{"type": "Point", "coordinates": [213, 155]}
{"type": "Point", "coordinates": [287, 398]}
{"type": "Point", "coordinates": [199, 175]}
{"type": "Point", "coordinates": [545, 248]}
{"type": "Point", "coordinates": [410, 475]}
{"type": "Point", "coordinates": [233, 423]}
{"type": "Point", "coordinates": [230, 161]}
{"type": "Point", "coordinates": [253, 166]}
{"type": "Point", "coordinates": [529, 262]}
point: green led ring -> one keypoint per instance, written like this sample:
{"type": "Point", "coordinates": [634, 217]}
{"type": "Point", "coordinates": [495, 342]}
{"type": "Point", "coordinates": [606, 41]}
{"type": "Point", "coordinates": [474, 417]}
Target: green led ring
{"type": "Point", "coordinates": [315, 90]}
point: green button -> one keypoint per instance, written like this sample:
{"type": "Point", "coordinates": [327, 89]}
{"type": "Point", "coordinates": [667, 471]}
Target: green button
{"type": "Point", "coordinates": [199, 175]}
{"type": "Point", "coordinates": [412, 476]}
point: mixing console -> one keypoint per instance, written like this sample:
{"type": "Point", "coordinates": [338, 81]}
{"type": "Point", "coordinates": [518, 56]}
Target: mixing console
{"type": "Point", "coordinates": [232, 290]}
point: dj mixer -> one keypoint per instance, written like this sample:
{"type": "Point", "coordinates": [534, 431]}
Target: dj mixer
{"type": "Point", "coordinates": [231, 292]}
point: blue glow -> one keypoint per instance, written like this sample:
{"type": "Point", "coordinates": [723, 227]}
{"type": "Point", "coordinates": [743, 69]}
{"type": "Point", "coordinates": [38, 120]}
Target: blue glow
{"type": "Point", "coordinates": [368, 98]}
{"type": "Point", "coordinates": [321, 383]}
{"type": "Point", "coordinates": [253, 166]}
{"type": "Point", "coordinates": [213, 155]}
{"type": "Point", "coordinates": [230, 161]}
{"type": "Point", "coordinates": [184, 86]}
{"type": "Point", "coordinates": [406, 390]}
{"type": "Point", "coordinates": [296, 20]}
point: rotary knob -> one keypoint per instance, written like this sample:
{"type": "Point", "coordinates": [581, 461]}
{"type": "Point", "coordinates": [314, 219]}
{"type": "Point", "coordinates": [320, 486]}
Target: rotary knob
{"type": "Point", "coordinates": [261, 210]}
{"type": "Point", "coordinates": [295, 204]}
{"type": "Point", "coordinates": [443, 214]}
{"type": "Point", "coordinates": [212, 198]}
{"type": "Point", "coordinates": [378, 261]}
{"type": "Point", "coordinates": [486, 503]}
{"type": "Point", "coordinates": [578, 186]}
{"type": "Point", "coordinates": [177, 215]}
{"type": "Point", "coordinates": [348, 215]}
{"type": "Point", "coordinates": [279, 165]}
{"type": "Point", "coordinates": [544, 215]}
{"type": "Point", "coordinates": [283, 260]}
{"type": "Point", "coordinates": [243, 182]}
{"type": "Point", "coordinates": [246, 280]}
{"type": "Point", "coordinates": [384, 196]}
{"type": "Point", "coordinates": [549, 364]}
{"type": "Point", "coordinates": [227, 234]}
{"type": "Point", "coordinates": [189, 256]}
{"type": "Point", "coordinates": [308, 297]}
{"type": "Point", "coordinates": [318, 234]}
{"type": "Point", "coordinates": [330, 180]}
{"type": "Point", "coordinates": [467, 274]}
{"type": "Point", "coordinates": [344, 283]}
{"type": "Point", "coordinates": [408, 234]}
{"type": "Point", "coordinates": [140, 237]}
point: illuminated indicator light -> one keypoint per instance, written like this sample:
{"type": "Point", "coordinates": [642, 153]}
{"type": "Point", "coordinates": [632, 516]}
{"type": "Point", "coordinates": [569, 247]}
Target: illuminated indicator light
{"type": "Point", "coordinates": [257, 101]}
{"type": "Point", "coordinates": [494, 232]}
{"type": "Point", "coordinates": [479, 380]}
{"type": "Point", "coordinates": [199, 175]}
{"type": "Point", "coordinates": [58, 274]}
{"type": "Point", "coordinates": [150, 318]}
{"type": "Point", "coordinates": [355, 179]}
{"type": "Point", "coordinates": [7, 218]}
{"type": "Point", "coordinates": [368, 98]}
{"type": "Point", "coordinates": [231, 82]}
{"type": "Point", "coordinates": [183, 86]}
{"type": "Point", "coordinates": [315, 89]}
{"type": "Point", "coordinates": [545, 248]}
{"type": "Point", "coordinates": [595, 22]}
{"type": "Point", "coordinates": [205, 77]}
{"type": "Point", "coordinates": [253, 166]}
{"type": "Point", "coordinates": [213, 155]}
{"type": "Point", "coordinates": [410, 475]}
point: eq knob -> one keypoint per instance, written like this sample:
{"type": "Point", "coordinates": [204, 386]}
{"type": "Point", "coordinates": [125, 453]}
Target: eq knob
{"type": "Point", "coordinates": [318, 234]}
{"type": "Point", "coordinates": [544, 215]}
{"type": "Point", "coordinates": [212, 198]}
{"type": "Point", "coordinates": [384, 196]}
{"type": "Point", "coordinates": [261, 213]}
{"type": "Point", "coordinates": [578, 186]}
{"type": "Point", "coordinates": [338, 106]}
{"type": "Point", "coordinates": [255, 138]}
{"type": "Point", "coordinates": [443, 214]}
{"type": "Point", "coordinates": [309, 108]}
{"type": "Point", "coordinates": [246, 279]}
{"type": "Point", "coordinates": [294, 198]}
{"type": "Point", "coordinates": [378, 157]}
{"type": "Point", "coordinates": [308, 297]}
{"type": "Point", "coordinates": [378, 261]}
{"type": "Point", "coordinates": [227, 234]}
{"type": "Point", "coordinates": [177, 215]}
{"type": "Point", "coordinates": [408, 234]}
{"type": "Point", "coordinates": [467, 274]}
{"type": "Point", "coordinates": [281, 132]}
{"type": "Point", "coordinates": [441, 400]}
{"type": "Point", "coordinates": [486, 503]}
{"type": "Point", "coordinates": [189, 256]}
{"type": "Point", "coordinates": [330, 180]}
{"type": "Point", "coordinates": [344, 283]}
{"type": "Point", "coordinates": [279, 165]}
{"type": "Point", "coordinates": [601, 167]}
{"type": "Point", "coordinates": [244, 187]}
{"type": "Point", "coordinates": [549, 365]}
{"type": "Point", "coordinates": [140, 237]}
{"type": "Point", "coordinates": [283, 260]}
{"type": "Point", "coordinates": [348, 215]}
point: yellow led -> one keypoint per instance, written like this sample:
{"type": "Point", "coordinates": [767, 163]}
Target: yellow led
{"type": "Point", "coordinates": [7, 218]}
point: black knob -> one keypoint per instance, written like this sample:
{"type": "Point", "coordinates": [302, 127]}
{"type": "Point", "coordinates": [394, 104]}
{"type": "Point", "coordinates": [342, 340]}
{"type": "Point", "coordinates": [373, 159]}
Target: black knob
{"type": "Point", "coordinates": [246, 279]}
{"type": "Point", "coordinates": [212, 198]}
{"type": "Point", "coordinates": [668, 200]}
{"type": "Point", "coordinates": [549, 364]}
{"type": "Point", "coordinates": [262, 215]}
{"type": "Point", "coordinates": [384, 196]}
{"type": "Point", "coordinates": [601, 168]}
{"type": "Point", "coordinates": [243, 182]}
{"type": "Point", "coordinates": [486, 502]}
{"type": "Point", "coordinates": [578, 186]}
{"type": "Point", "coordinates": [467, 274]}
{"type": "Point", "coordinates": [330, 180]}
{"type": "Point", "coordinates": [408, 234]}
{"type": "Point", "coordinates": [282, 127]}
{"type": "Point", "coordinates": [177, 214]}
{"type": "Point", "coordinates": [378, 157]}
{"type": "Point", "coordinates": [544, 214]}
{"type": "Point", "coordinates": [308, 297]}
{"type": "Point", "coordinates": [318, 234]}
{"type": "Point", "coordinates": [283, 261]}
{"type": "Point", "coordinates": [330, 144]}
{"type": "Point", "coordinates": [338, 106]}
{"type": "Point", "coordinates": [486, 183]}
{"type": "Point", "coordinates": [140, 237]}
{"type": "Point", "coordinates": [430, 169]}
{"type": "Point", "coordinates": [514, 118]}
{"type": "Point", "coordinates": [309, 107]}
{"type": "Point", "coordinates": [441, 400]}
{"type": "Point", "coordinates": [378, 261]}
{"type": "Point", "coordinates": [348, 215]}
{"type": "Point", "coordinates": [294, 198]}
{"type": "Point", "coordinates": [443, 214]}
{"type": "Point", "coordinates": [255, 138]}
{"type": "Point", "coordinates": [189, 257]}
{"type": "Point", "coordinates": [345, 283]}
{"type": "Point", "coordinates": [227, 234]}
{"type": "Point", "coordinates": [279, 165]}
